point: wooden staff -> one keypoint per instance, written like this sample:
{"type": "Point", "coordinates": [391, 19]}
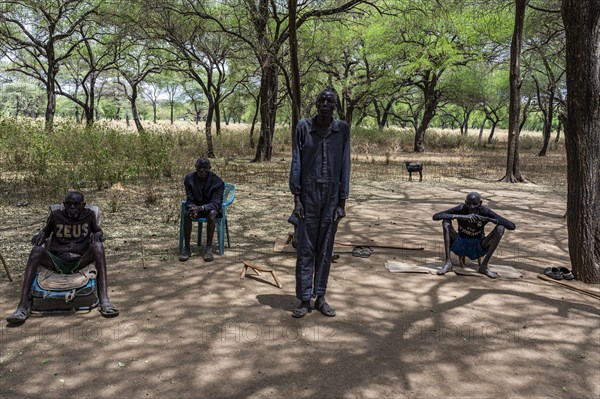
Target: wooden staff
{"type": "Point", "coordinates": [143, 257]}
{"type": "Point", "coordinates": [6, 268]}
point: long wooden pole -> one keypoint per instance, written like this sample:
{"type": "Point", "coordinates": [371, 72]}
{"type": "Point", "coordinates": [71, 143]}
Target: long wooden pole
{"type": "Point", "coordinates": [6, 268]}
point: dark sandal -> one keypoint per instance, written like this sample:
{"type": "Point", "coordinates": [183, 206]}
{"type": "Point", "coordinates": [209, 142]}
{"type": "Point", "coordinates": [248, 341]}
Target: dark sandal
{"type": "Point", "coordinates": [566, 273]}
{"type": "Point", "coordinates": [553, 272]}
{"type": "Point", "coordinates": [301, 311]}
{"type": "Point", "coordinates": [366, 252]}
{"type": "Point", "coordinates": [324, 308]}
{"type": "Point", "coordinates": [19, 316]}
{"type": "Point", "coordinates": [109, 310]}
{"type": "Point", "coordinates": [357, 251]}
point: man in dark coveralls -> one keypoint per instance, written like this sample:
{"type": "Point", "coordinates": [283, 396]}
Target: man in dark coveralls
{"type": "Point", "coordinates": [320, 182]}
{"type": "Point", "coordinates": [76, 242]}
{"type": "Point", "coordinates": [204, 197]}
{"type": "Point", "coordinates": [471, 240]}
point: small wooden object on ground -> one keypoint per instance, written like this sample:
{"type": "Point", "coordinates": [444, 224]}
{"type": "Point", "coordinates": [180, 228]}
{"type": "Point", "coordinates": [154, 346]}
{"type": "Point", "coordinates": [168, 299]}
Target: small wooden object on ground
{"type": "Point", "coordinates": [259, 268]}
{"type": "Point", "coordinates": [6, 268]}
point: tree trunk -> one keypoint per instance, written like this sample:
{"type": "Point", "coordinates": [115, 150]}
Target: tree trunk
{"type": "Point", "coordinates": [217, 113]}
{"type": "Point", "coordinates": [513, 172]}
{"type": "Point", "coordinates": [50, 95]}
{"type": "Point", "coordinates": [386, 115]}
{"type": "Point", "coordinates": [134, 111]}
{"type": "Point", "coordinates": [294, 67]}
{"type": "Point", "coordinates": [207, 129]}
{"type": "Point", "coordinates": [492, 129]}
{"type": "Point", "coordinates": [428, 115]}
{"type": "Point", "coordinates": [481, 128]}
{"type": "Point", "coordinates": [268, 94]}
{"type": "Point", "coordinates": [582, 27]}
{"type": "Point", "coordinates": [172, 109]}
{"type": "Point", "coordinates": [254, 118]}
{"type": "Point", "coordinates": [89, 116]}
{"type": "Point", "coordinates": [548, 116]}
{"type": "Point", "coordinates": [430, 98]}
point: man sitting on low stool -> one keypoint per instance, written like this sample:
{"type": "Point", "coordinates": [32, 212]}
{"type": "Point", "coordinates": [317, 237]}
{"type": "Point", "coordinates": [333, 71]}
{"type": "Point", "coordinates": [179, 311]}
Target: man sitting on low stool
{"type": "Point", "coordinates": [471, 240]}
{"type": "Point", "coordinates": [76, 242]}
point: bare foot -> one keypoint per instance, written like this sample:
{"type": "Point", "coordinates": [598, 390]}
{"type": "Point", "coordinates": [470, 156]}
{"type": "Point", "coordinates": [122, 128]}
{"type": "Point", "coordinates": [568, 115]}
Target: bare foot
{"type": "Point", "coordinates": [486, 270]}
{"type": "Point", "coordinates": [445, 269]}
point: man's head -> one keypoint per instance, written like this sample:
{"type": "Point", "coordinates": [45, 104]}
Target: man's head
{"type": "Point", "coordinates": [473, 202]}
{"type": "Point", "coordinates": [202, 167]}
{"type": "Point", "coordinates": [73, 204]}
{"type": "Point", "coordinates": [326, 103]}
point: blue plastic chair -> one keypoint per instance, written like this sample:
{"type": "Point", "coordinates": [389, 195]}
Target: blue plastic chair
{"type": "Point", "coordinates": [222, 229]}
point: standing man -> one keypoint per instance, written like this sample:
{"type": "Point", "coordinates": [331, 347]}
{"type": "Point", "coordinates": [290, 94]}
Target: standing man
{"type": "Point", "coordinates": [470, 240]}
{"type": "Point", "coordinates": [320, 182]}
{"type": "Point", "coordinates": [76, 242]}
{"type": "Point", "coordinates": [204, 198]}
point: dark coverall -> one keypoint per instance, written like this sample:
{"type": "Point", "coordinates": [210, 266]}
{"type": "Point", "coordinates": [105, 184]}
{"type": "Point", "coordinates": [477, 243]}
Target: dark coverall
{"type": "Point", "coordinates": [320, 174]}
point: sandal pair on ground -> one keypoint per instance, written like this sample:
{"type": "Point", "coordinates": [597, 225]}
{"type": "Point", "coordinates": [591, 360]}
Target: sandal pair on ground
{"type": "Point", "coordinates": [320, 305]}
{"type": "Point", "coordinates": [20, 315]}
{"type": "Point", "coordinates": [559, 273]}
{"type": "Point", "coordinates": [362, 252]}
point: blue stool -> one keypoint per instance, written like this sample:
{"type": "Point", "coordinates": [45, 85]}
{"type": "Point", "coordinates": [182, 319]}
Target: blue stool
{"type": "Point", "coordinates": [221, 222]}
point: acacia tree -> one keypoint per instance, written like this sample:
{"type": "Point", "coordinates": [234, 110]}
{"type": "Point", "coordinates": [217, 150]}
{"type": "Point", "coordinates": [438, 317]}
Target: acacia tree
{"type": "Point", "coordinates": [136, 63]}
{"type": "Point", "coordinates": [465, 92]}
{"type": "Point", "coordinates": [94, 55]}
{"type": "Point", "coordinates": [430, 40]}
{"type": "Point", "coordinates": [263, 25]}
{"type": "Point", "coordinates": [582, 27]}
{"type": "Point", "coordinates": [41, 36]}
{"type": "Point", "coordinates": [513, 165]}
{"type": "Point", "coordinates": [545, 60]}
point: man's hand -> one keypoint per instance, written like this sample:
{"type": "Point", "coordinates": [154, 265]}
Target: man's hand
{"type": "Point", "coordinates": [298, 207]}
{"type": "Point", "coordinates": [194, 211]}
{"type": "Point", "coordinates": [340, 211]}
{"type": "Point", "coordinates": [39, 238]}
{"type": "Point", "coordinates": [96, 237]}
{"type": "Point", "coordinates": [487, 219]}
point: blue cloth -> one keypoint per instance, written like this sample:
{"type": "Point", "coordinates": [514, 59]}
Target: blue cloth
{"type": "Point", "coordinates": [470, 247]}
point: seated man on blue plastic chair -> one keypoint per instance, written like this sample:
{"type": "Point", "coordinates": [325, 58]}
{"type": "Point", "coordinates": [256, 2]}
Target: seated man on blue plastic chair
{"type": "Point", "coordinates": [204, 197]}
{"type": "Point", "coordinates": [76, 242]}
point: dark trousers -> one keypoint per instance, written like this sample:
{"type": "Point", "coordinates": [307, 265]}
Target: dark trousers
{"type": "Point", "coordinates": [315, 236]}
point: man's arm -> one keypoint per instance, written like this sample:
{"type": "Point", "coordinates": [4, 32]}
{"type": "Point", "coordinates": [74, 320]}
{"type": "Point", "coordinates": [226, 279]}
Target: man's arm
{"type": "Point", "coordinates": [189, 195]}
{"type": "Point", "coordinates": [452, 213]}
{"type": "Point", "coordinates": [96, 230]}
{"type": "Point", "coordinates": [345, 177]}
{"type": "Point", "coordinates": [216, 198]}
{"type": "Point", "coordinates": [40, 237]}
{"type": "Point", "coordinates": [497, 219]}
{"type": "Point", "coordinates": [296, 164]}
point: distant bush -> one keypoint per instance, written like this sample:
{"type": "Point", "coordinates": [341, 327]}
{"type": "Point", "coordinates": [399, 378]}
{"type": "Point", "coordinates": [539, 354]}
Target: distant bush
{"type": "Point", "coordinates": [75, 157]}
{"type": "Point", "coordinates": [34, 164]}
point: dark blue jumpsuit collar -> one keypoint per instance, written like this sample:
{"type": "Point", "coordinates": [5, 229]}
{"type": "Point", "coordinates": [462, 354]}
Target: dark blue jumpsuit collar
{"type": "Point", "coordinates": [333, 127]}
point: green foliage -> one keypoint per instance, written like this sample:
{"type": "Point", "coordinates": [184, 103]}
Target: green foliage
{"type": "Point", "coordinates": [82, 158]}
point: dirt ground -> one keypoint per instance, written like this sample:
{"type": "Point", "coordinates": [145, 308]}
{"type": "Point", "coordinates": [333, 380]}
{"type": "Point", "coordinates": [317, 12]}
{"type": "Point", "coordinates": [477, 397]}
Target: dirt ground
{"type": "Point", "coordinates": [196, 329]}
